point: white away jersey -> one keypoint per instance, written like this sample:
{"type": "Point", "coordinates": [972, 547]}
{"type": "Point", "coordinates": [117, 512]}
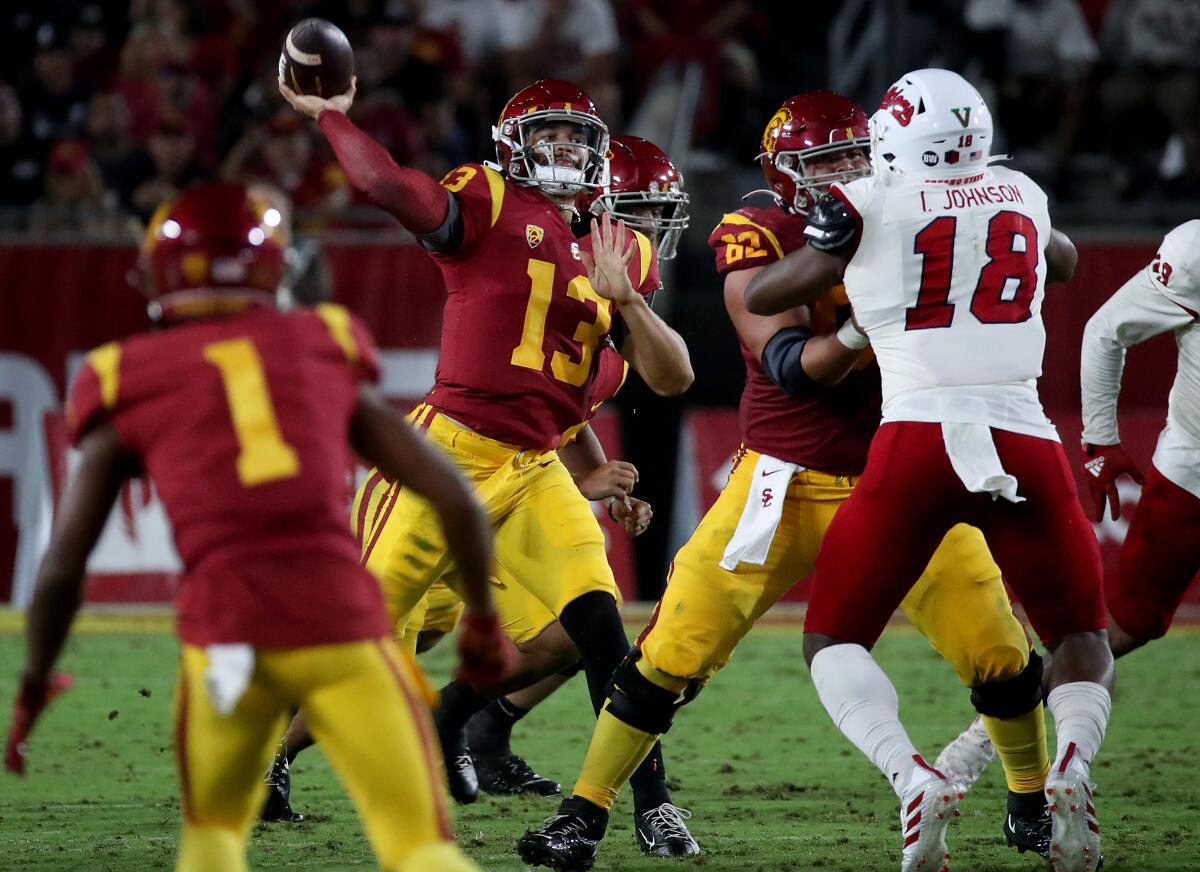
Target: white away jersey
{"type": "Point", "coordinates": [947, 282]}
{"type": "Point", "coordinates": [1163, 296]}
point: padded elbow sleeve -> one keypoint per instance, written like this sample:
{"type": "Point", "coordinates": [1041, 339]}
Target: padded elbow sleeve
{"type": "Point", "coordinates": [781, 360]}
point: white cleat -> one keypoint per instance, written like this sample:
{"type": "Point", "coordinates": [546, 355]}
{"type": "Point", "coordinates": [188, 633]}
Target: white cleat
{"type": "Point", "coordinates": [966, 758]}
{"type": "Point", "coordinates": [928, 805]}
{"type": "Point", "coordinates": [1075, 832]}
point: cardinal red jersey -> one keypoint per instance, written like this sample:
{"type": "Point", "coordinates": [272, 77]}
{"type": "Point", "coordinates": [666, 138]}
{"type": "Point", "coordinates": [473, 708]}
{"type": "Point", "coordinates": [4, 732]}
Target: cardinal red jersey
{"type": "Point", "coordinates": [522, 326]}
{"type": "Point", "coordinates": [830, 427]}
{"type": "Point", "coordinates": [242, 423]}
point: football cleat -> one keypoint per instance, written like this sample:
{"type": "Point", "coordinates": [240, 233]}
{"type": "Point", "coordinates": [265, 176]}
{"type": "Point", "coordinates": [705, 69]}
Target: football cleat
{"type": "Point", "coordinates": [1028, 833]}
{"type": "Point", "coordinates": [1075, 832]}
{"type": "Point", "coordinates": [966, 758]}
{"type": "Point", "coordinates": [568, 840]}
{"type": "Point", "coordinates": [510, 775]}
{"type": "Point", "coordinates": [461, 777]}
{"type": "Point", "coordinates": [927, 806]}
{"type": "Point", "coordinates": [279, 791]}
{"type": "Point", "coordinates": [661, 832]}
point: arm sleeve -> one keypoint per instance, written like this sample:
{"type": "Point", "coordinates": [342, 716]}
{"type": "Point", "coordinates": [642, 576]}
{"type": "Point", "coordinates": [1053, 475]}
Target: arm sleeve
{"type": "Point", "coordinates": [781, 360]}
{"type": "Point", "coordinates": [1135, 313]}
{"type": "Point", "coordinates": [416, 200]}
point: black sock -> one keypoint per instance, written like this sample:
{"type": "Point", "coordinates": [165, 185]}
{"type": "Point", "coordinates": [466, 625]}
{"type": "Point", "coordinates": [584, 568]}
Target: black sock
{"type": "Point", "coordinates": [456, 703]}
{"type": "Point", "coordinates": [1026, 805]}
{"type": "Point", "coordinates": [649, 782]}
{"type": "Point", "coordinates": [594, 625]}
{"type": "Point", "coordinates": [489, 731]}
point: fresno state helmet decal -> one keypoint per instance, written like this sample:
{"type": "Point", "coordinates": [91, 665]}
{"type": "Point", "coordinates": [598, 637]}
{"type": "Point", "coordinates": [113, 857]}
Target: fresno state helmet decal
{"type": "Point", "coordinates": [771, 134]}
{"type": "Point", "coordinates": [898, 105]}
{"type": "Point", "coordinates": [533, 235]}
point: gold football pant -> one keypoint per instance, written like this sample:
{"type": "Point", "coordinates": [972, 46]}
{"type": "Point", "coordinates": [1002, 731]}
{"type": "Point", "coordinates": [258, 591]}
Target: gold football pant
{"type": "Point", "coordinates": [549, 546]}
{"type": "Point", "coordinates": [366, 703]}
{"type": "Point", "coordinates": [959, 604]}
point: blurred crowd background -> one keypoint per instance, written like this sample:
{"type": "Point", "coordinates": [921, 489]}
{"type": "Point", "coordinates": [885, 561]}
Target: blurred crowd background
{"type": "Point", "coordinates": [108, 107]}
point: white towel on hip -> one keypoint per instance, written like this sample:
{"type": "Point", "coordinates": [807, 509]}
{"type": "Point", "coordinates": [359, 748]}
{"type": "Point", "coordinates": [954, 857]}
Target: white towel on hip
{"type": "Point", "coordinates": [230, 667]}
{"type": "Point", "coordinates": [751, 541]}
{"type": "Point", "coordinates": [973, 455]}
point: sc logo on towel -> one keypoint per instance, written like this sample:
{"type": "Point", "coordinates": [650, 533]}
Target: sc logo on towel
{"type": "Point", "coordinates": [767, 497]}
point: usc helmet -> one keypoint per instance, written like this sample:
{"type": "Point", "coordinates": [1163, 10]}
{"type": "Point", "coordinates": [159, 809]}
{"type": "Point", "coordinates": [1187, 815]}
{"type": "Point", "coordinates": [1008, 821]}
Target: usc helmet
{"type": "Point", "coordinates": [213, 249]}
{"type": "Point", "coordinates": [931, 124]}
{"type": "Point", "coordinates": [816, 123]}
{"type": "Point", "coordinates": [549, 102]}
{"type": "Point", "coordinates": [641, 174]}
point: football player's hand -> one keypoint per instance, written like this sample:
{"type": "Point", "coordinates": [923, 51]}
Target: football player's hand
{"type": "Point", "coordinates": [1104, 464]}
{"type": "Point", "coordinates": [485, 654]}
{"type": "Point", "coordinates": [32, 698]}
{"type": "Point", "coordinates": [613, 479]}
{"type": "Point", "coordinates": [608, 262]}
{"type": "Point", "coordinates": [311, 105]}
{"type": "Point", "coordinates": [831, 228]}
{"type": "Point", "coordinates": [632, 514]}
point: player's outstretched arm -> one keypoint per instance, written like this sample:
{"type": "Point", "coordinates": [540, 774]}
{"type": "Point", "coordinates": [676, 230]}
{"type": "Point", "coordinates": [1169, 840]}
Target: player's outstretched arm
{"type": "Point", "coordinates": [85, 506]}
{"type": "Point", "coordinates": [386, 440]}
{"type": "Point", "coordinates": [656, 352]}
{"type": "Point", "coordinates": [416, 200]}
{"type": "Point", "coordinates": [1061, 257]}
{"type": "Point", "coordinates": [790, 353]}
{"type": "Point", "coordinates": [796, 280]}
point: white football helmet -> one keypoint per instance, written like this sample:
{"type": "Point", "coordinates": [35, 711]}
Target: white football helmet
{"type": "Point", "coordinates": [931, 124]}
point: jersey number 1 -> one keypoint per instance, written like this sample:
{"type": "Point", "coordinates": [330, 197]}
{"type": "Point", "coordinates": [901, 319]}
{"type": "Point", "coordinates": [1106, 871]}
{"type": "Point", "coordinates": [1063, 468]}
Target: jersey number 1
{"type": "Point", "coordinates": [529, 353]}
{"type": "Point", "coordinates": [1007, 259]}
{"type": "Point", "coordinates": [263, 456]}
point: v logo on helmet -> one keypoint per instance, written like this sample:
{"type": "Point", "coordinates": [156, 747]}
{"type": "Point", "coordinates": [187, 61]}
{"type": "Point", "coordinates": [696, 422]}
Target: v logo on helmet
{"type": "Point", "coordinates": [963, 115]}
{"type": "Point", "coordinates": [533, 235]}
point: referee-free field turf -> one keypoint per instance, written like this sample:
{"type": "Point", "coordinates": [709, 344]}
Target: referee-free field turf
{"type": "Point", "coordinates": [772, 784]}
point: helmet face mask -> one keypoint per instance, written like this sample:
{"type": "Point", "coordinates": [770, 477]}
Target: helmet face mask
{"type": "Point", "coordinates": [819, 127]}
{"type": "Point", "coordinates": [645, 190]}
{"type": "Point", "coordinates": [812, 185]}
{"type": "Point", "coordinates": [529, 157]}
{"type": "Point", "coordinates": [664, 228]}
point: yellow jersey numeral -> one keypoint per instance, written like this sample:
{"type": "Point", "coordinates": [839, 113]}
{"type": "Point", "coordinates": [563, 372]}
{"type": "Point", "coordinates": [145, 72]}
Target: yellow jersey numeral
{"type": "Point", "coordinates": [263, 456]}
{"type": "Point", "coordinates": [529, 353]}
{"type": "Point", "coordinates": [746, 244]}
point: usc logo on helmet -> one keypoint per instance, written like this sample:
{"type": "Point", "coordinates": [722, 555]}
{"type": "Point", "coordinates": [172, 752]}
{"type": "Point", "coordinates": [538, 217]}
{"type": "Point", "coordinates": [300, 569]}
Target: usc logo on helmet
{"type": "Point", "coordinates": [771, 134]}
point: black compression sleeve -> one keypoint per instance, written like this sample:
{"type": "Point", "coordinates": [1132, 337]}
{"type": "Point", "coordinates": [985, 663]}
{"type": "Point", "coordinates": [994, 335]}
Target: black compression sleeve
{"type": "Point", "coordinates": [449, 236]}
{"type": "Point", "coordinates": [781, 360]}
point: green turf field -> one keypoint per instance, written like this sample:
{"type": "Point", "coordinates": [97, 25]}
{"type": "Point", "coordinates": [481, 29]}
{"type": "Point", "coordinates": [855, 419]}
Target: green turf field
{"type": "Point", "coordinates": [772, 784]}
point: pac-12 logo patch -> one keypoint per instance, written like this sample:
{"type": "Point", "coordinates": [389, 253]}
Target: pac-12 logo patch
{"type": "Point", "coordinates": [534, 235]}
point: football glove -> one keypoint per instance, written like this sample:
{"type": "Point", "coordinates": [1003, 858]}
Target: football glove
{"type": "Point", "coordinates": [485, 654]}
{"type": "Point", "coordinates": [32, 698]}
{"type": "Point", "coordinates": [831, 228]}
{"type": "Point", "coordinates": [1104, 464]}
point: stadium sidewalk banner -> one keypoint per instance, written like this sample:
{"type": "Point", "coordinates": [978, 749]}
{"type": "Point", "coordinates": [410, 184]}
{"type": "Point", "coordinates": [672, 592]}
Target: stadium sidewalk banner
{"type": "Point", "coordinates": [62, 300]}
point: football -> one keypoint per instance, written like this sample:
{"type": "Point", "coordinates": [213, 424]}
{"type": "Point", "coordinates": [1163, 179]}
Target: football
{"type": "Point", "coordinates": [316, 59]}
